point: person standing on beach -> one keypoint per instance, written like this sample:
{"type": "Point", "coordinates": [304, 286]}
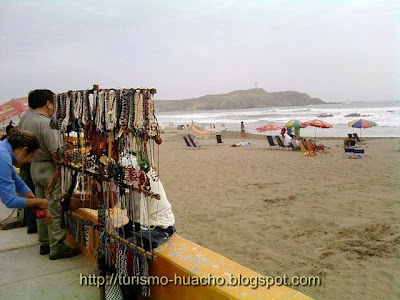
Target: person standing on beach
{"type": "Point", "coordinates": [43, 166]}
{"type": "Point", "coordinates": [297, 132]}
{"type": "Point", "coordinates": [289, 131]}
{"type": "Point", "coordinates": [242, 130]}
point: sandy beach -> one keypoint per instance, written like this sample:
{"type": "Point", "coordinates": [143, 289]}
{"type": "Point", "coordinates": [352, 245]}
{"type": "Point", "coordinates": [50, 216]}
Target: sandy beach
{"type": "Point", "coordinates": [278, 212]}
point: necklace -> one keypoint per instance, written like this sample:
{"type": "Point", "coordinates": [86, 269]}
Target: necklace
{"type": "Point", "coordinates": [138, 122]}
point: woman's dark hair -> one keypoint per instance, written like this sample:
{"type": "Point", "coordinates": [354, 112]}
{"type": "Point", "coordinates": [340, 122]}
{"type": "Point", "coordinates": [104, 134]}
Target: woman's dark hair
{"type": "Point", "coordinates": [39, 98]}
{"type": "Point", "coordinates": [22, 138]}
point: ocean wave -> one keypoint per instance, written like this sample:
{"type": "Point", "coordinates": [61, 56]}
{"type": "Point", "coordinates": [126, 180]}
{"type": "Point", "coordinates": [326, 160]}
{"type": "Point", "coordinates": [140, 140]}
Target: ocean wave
{"type": "Point", "coordinates": [386, 115]}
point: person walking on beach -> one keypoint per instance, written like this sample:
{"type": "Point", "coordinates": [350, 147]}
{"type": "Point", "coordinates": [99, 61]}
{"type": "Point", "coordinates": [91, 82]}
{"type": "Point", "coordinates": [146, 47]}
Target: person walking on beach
{"type": "Point", "coordinates": [242, 130]}
{"type": "Point", "coordinates": [43, 166]}
{"type": "Point", "coordinates": [19, 148]}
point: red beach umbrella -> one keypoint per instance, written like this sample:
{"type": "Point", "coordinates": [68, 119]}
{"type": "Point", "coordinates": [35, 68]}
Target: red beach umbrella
{"type": "Point", "coordinates": [13, 108]}
{"type": "Point", "coordinates": [269, 127]}
{"type": "Point", "coordinates": [318, 124]}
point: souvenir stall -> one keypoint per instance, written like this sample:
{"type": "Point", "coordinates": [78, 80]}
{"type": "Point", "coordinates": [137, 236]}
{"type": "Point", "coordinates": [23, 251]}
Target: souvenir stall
{"type": "Point", "coordinates": [108, 169]}
{"type": "Point", "coordinates": [108, 165]}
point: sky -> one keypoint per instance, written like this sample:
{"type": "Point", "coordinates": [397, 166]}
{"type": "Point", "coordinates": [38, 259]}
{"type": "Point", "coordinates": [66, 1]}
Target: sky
{"type": "Point", "coordinates": [333, 50]}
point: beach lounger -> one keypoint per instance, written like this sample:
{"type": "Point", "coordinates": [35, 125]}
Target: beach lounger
{"type": "Point", "coordinates": [294, 145]}
{"type": "Point", "coordinates": [359, 153]}
{"type": "Point", "coordinates": [271, 142]}
{"type": "Point", "coordinates": [303, 148]}
{"type": "Point", "coordinates": [194, 144]}
{"type": "Point", "coordinates": [348, 152]}
{"type": "Point", "coordinates": [356, 137]}
{"type": "Point", "coordinates": [310, 148]}
{"type": "Point", "coordinates": [279, 141]}
{"type": "Point", "coordinates": [187, 141]}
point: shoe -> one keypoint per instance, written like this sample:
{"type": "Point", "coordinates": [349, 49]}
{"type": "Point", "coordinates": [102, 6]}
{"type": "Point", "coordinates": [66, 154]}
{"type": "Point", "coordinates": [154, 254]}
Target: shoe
{"type": "Point", "coordinates": [44, 249]}
{"type": "Point", "coordinates": [32, 230]}
{"type": "Point", "coordinates": [67, 253]}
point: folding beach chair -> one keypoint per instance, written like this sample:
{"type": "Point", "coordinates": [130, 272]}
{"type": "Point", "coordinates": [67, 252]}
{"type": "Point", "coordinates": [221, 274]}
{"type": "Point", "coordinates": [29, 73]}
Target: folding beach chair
{"type": "Point", "coordinates": [294, 145]}
{"type": "Point", "coordinates": [310, 148]}
{"type": "Point", "coordinates": [194, 144]}
{"type": "Point", "coordinates": [303, 148]}
{"type": "Point", "coordinates": [279, 141]}
{"type": "Point", "coordinates": [348, 152]}
{"type": "Point", "coordinates": [356, 137]}
{"type": "Point", "coordinates": [359, 153]}
{"type": "Point", "coordinates": [187, 142]}
{"type": "Point", "coordinates": [271, 142]}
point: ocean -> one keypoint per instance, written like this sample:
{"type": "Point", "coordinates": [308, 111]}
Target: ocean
{"type": "Point", "coordinates": [385, 113]}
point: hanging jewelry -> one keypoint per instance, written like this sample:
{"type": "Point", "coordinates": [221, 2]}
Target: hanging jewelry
{"type": "Point", "coordinates": [138, 122]}
{"type": "Point", "coordinates": [131, 110]}
{"type": "Point", "coordinates": [152, 128]}
{"type": "Point", "coordinates": [124, 110]}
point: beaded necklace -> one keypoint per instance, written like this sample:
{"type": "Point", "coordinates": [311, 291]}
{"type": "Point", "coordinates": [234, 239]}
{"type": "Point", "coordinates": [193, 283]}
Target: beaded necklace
{"type": "Point", "coordinates": [124, 110]}
{"type": "Point", "coordinates": [132, 106]}
{"type": "Point", "coordinates": [95, 104]}
{"type": "Point", "coordinates": [138, 122]}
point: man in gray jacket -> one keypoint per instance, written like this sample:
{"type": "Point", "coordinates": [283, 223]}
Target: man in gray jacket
{"type": "Point", "coordinates": [43, 166]}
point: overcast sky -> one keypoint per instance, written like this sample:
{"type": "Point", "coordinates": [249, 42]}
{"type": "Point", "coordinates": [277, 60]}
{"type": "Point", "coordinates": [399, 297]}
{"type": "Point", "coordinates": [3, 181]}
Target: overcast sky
{"type": "Point", "coordinates": [332, 50]}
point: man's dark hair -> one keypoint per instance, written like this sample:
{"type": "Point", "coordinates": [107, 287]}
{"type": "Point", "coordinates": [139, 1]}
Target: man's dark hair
{"type": "Point", "coordinates": [39, 98]}
{"type": "Point", "coordinates": [8, 128]}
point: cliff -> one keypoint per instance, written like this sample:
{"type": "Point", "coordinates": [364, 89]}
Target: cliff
{"type": "Point", "coordinates": [242, 99]}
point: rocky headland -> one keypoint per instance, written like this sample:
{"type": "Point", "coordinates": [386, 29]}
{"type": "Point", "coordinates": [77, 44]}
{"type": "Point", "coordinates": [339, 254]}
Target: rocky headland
{"type": "Point", "coordinates": [241, 99]}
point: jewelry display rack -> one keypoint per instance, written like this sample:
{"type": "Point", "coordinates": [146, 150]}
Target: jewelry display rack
{"type": "Point", "coordinates": [106, 161]}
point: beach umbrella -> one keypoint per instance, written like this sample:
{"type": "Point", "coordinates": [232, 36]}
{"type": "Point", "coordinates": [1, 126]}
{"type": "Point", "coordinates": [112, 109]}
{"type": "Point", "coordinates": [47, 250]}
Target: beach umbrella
{"type": "Point", "coordinates": [318, 124]}
{"type": "Point", "coordinates": [199, 132]}
{"type": "Point", "coordinates": [13, 108]}
{"type": "Point", "coordinates": [361, 123]}
{"type": "Point", "coordinates": [269, 127]}
{"type": "Point", "coordinates": [295, 124]}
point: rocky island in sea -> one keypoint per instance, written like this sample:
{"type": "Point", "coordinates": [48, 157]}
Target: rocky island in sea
{"type": "Point", "coordinates": [241, 99]}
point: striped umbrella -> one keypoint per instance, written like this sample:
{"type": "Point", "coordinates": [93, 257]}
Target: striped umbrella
{"type": "Point", "coordinates": [295, 124]}
{"type": "Point", "coordinates": [361, 123]}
